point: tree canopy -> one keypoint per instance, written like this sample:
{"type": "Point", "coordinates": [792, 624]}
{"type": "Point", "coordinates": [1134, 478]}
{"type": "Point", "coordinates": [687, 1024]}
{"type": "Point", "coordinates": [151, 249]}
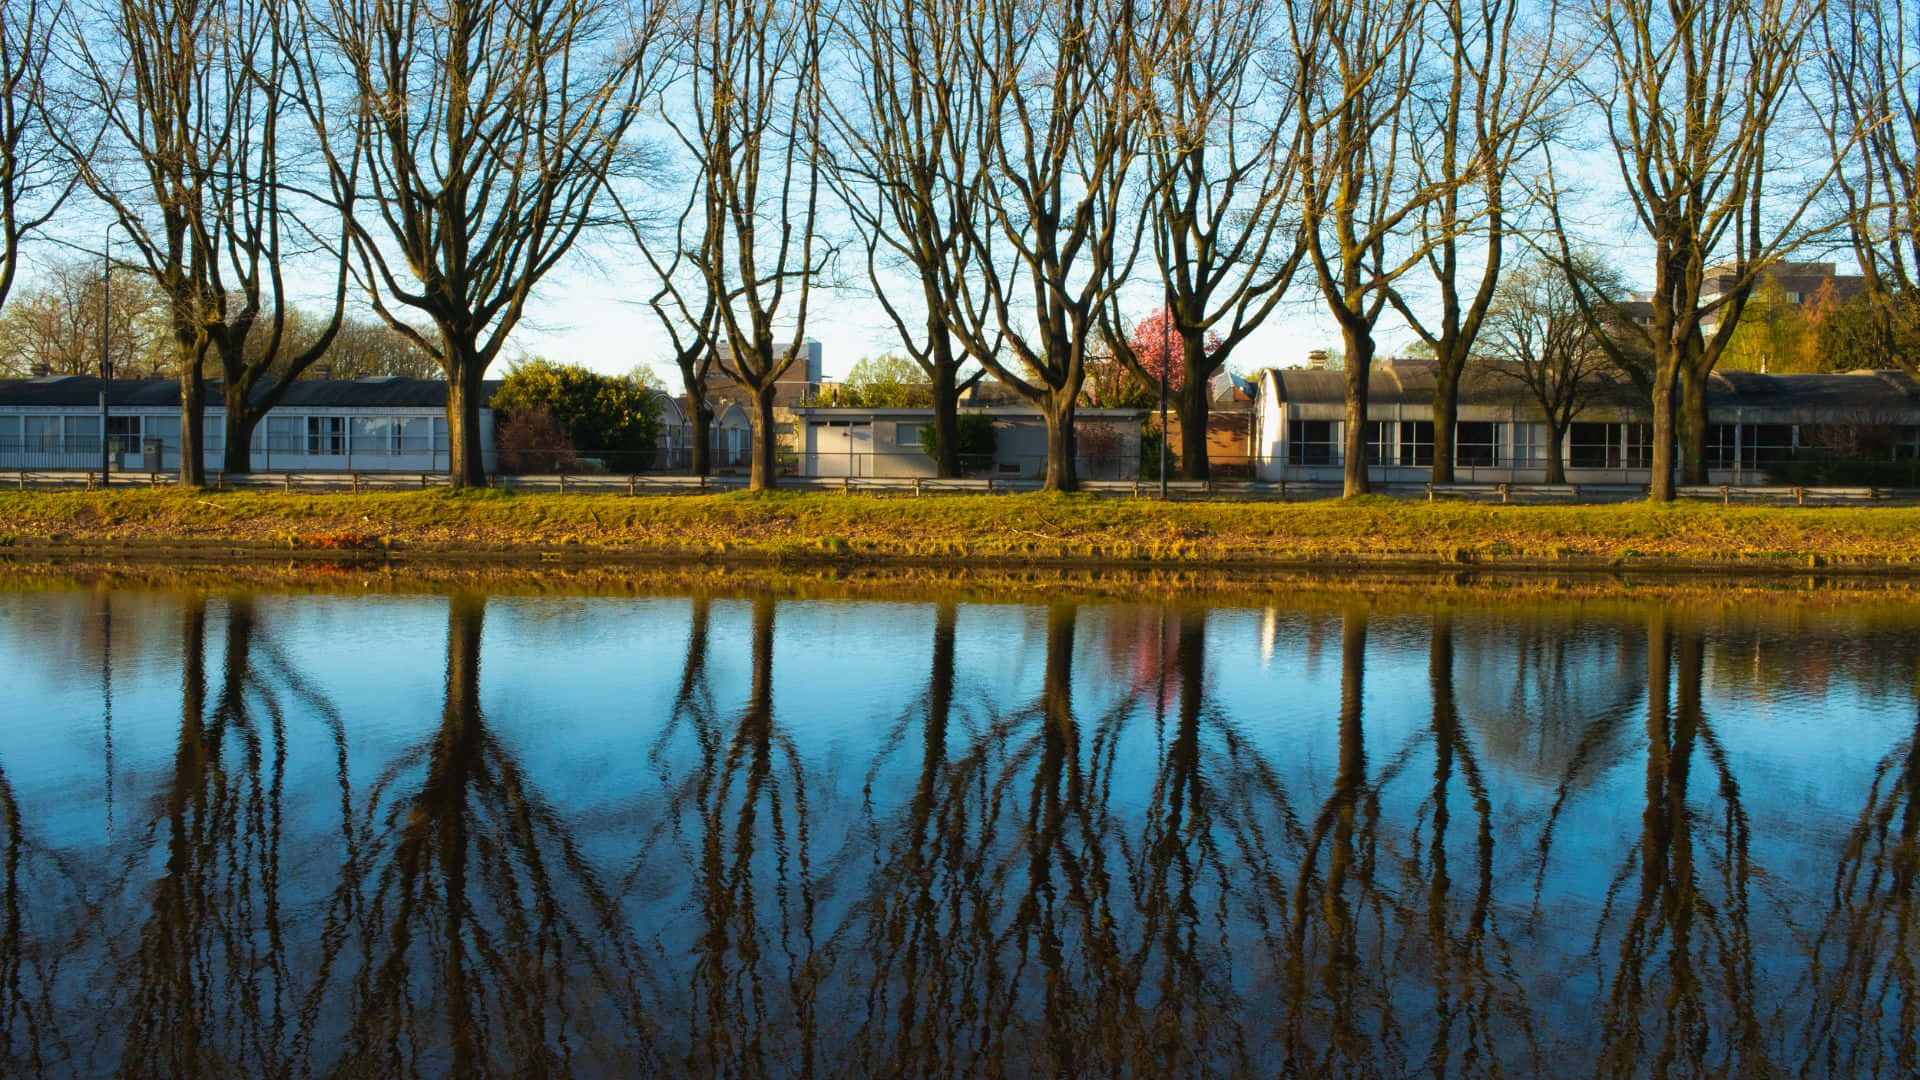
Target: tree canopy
{"type": "Point", "coordinates": [614, 418]}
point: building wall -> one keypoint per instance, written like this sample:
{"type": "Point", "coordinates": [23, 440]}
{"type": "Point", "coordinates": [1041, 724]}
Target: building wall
{"type": "Point", "coordinates": [286, 440]}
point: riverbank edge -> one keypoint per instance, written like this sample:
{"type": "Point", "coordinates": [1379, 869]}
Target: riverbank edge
{"type": "Point", "coordinates": [960, 534]}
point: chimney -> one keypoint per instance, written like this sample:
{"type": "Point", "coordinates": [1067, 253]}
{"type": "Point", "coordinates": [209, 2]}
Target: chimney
{"type": "Point", "coordinates": [1317, 360]}
{"type": "Point", "coordinates": [42, 369]}
{"type": "Point", "coordinates": [323, 372]}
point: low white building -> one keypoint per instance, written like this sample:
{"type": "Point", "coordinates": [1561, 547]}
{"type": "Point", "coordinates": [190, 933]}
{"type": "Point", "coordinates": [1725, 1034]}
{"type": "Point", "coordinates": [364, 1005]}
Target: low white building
{"type": "Point", "coordinates": [388, 424]}
{"type": "Point", "coordinates": [888, 442]}
{"type": "Point", "coordinates": [1754, 421]}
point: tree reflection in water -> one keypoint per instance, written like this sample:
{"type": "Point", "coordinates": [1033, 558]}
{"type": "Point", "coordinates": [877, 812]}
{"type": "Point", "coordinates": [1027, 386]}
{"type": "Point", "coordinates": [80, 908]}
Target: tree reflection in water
{"type": "Point", "coordinates": [1115, 869]}
{"type": "Point", "coordinates": [482, 940]}
{"type": "Point", "coordinates": [1680, 997]}
{"type": "Point", "coordinates": [1865, 1015]}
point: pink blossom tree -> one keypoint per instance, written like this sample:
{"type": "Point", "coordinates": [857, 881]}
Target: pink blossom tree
{"type": "Point", "coordinates": [1156, 345]}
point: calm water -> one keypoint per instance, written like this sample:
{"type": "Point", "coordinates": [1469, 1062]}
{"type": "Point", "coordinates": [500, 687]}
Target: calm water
{"type": "Point", "coordinates": [264, 834]}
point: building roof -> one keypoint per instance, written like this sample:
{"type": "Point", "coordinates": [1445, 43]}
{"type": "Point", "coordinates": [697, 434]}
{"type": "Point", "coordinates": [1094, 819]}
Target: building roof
{"type": "Point", "coordinates": [83, 390]}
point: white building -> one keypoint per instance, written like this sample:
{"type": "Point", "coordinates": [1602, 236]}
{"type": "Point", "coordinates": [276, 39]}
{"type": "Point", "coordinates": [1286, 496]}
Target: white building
{"type": "Point", "coordinates": [388, 424]}
{"type": "Point", "coordinates": [1754, 421]}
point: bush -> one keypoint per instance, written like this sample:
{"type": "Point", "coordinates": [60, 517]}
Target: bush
{"type": "Point", "coordinates": [613, 418]}
{"type": "Point", "coordinates": [1150, 441]}
{"type": "Point", "coordinates": [532, 441]}
{"type": "Point", "coordinates": [977, 441]}
{"type": "Point", "coordinates": [1815, 469]}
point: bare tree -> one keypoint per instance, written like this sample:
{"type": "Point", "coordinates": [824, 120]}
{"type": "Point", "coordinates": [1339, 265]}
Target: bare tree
{"type": "Point", "coordinates": [750, 235]}
{"type": "Point", "coordinates": [1536, 332]}
{"type": "Point", "coordinates": [688, 311]}
{"type": "Point", "coordinates": [909, 178]}
{"type": "Point", "coordinates": [53, 323]}
{"type": "Point", "coordinates": [1220, 169]}
{"type": "Point", "coordinates": [1871, 51]}
{"type": "Point", "coordinates": [1691, 94]}
{"type": "Point", "coordinates": [1500, 79]}
{"type": "Point", "coordinates": [33, 181]}
{"type": "Point", "coordinates": [195, 96]}
{"type": "Point", "coordinates": [1359, 77]}
{"type": "Point", "coordinates": [487, 130]}
{"type": "Point", "coordinates": [1055, 109]}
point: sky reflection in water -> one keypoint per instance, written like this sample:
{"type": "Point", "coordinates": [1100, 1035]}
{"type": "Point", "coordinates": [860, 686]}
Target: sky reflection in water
{"type": "Point", "coordinates": [259, 834]}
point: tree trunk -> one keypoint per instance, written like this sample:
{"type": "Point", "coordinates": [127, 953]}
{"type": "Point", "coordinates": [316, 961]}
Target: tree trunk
{"type": "Point", "coordinates": [946, 425]}
{"type": "Point", "coordinates": [465, 468]}
{"type": "Point", "coordinates": [1359, 364]}
{"type": "Point", "coordinates": [1063, 472]}
{"type": "Point", "coordinates": [1556, 454]}
{"type": "Point", "coordinates": [193, 424]}
{"type": "Point", "coordinates": [700, 445]}
{"type": "Point", "coordinates": [1692, 426]}
{"type": "Point", "coordinates": [764, 474]}
{"type": "Point", "coordinates": [236, 459]}
{"type": "Point", "coordinates": [1446, 408]}
{"type": "Point", "coordinates": [1192, 406]}
{"type": "Point", "coordinates": [1660, 484]}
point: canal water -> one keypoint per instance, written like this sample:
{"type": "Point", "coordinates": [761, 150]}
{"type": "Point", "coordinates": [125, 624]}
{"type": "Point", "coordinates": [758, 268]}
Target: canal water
{"type": "Point", "coordinates": [262, 834]}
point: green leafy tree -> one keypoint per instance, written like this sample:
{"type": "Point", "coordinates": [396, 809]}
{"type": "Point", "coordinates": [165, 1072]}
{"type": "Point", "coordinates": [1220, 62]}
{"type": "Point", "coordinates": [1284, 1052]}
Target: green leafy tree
{"type": "Point", "coordinates": [890, 381]}
{"type": "Point", "coordinates": [976, 440]}
{"type": "Point", "coordinates": [615, 418]}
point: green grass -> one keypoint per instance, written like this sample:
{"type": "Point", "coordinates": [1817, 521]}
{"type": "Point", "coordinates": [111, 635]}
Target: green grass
{"type": "Point", "coordinates": [978, 529]}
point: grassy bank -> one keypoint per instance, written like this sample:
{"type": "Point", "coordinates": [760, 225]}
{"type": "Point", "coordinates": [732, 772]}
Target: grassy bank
{"type": "Point", "coordinates": [981, 530]}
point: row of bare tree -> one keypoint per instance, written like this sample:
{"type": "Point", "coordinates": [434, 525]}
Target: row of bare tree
{"type": "Point", "coordinates": [1004, 170]}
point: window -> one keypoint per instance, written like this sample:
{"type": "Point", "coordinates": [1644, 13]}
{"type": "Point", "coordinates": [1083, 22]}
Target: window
{"type": "Point", "coordinates": [1474, 443]}
{"type": "Point", "coordinates": [326, 434]}
{"type": "Point", "coordinates": [9, 433]}
{"type": "Point", "coordinates": [167, 430]}
{"type": "Point", "coordinates": [1720, 439]}
{"type": "Point", "coordinates": [906, 434]}
{"type": "Point", "coordinates": [372, 434]}
{"type": "Point", "coordinates": [1529, 444]}
{"type": "Point", "coordinates": [123, 433]}
{"type": "Point", "coordinates": [1906, 445]}
{"type": "Point", "coordinates": [1312, 442]}
{"type": "Point", "coordinates": [83, 434]}
{"type": "Point", "coordinates": [283, 434]}
{"type": "Point", "coordinates": [1766, 444]}
{"type": "Point", "coordinates": [1379, 441]}
{"type": "Point", "coordinates": [1587, 446]}
{"type": "Point", "coordinates": [1416, 442]}
{"type": "Point", "coordinates": [42, 434]}
{"type": "Point", "coordinates": [1636, 452]}
{"type": "Point", "coordinates": [413, 435]}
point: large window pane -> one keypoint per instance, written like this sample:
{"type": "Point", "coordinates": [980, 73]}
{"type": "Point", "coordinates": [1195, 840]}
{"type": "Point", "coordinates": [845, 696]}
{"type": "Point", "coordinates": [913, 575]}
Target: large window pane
{"type": "Point", "coordinates": [1416, 442]}
{"type": "Point", "coordinates": [1311, 442]}
{"type": "Point", "coordinates": [1474, 443]}
{"type": "Point", "coordinates": [1587, 445]}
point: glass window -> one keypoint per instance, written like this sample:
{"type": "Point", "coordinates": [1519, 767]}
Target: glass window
{"type": "Point", "coordinates": [1529, 444]}
{"type": "Point", "coordinates": [1312, 442]}
{"type": "Point", "coordinates": [906, 434]}
{"type": "Point", "coordinates": [1766, 444]}
{"type": "Point", "coordinates": [167, 429]}
{"type": "Point", "coordinates": [1636, 450]}
{"type": "Point", "coordinates": [1720, 446]}
{"type": "Point", "coordinates": [413, 435]}
{"type": "Point", "coordinates": [42, 434]}
{"type": "Point", "coordinates": [440, 439]}
{"type": "Point", "coordinates": [1379, 441]}
{"type": "Point", "coordinates": [123, 433]}
{"type": "Point", "coordinates": [373, 434]}
{"type": "Point", "coordinates": [1587, 446]}
{"type": "Point", "coordinates": [326, 435]}
{"type": "Point", "coordinates": [284, 434]}
{"type": "Point", "coordinates": [1416, 442]}
{"type": "Point", "coordinates": [9, 433]}
{"type": "Point", "coordinates": [83, 434]}
{"type": "Point", "coordinates": [1474, 443]}
{"type": "Point", "coordinates": [1906, 445]}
